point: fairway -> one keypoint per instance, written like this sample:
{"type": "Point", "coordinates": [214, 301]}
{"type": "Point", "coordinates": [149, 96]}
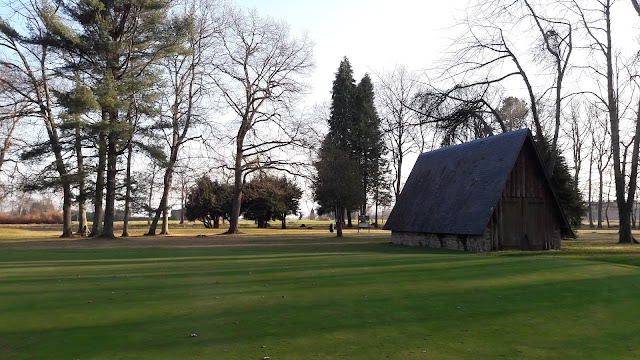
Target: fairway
{"type": "Point", "coordinates": [310, 297]}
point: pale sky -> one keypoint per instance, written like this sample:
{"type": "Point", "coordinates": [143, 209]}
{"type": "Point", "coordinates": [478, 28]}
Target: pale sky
{"type": "Point", "coordinates": [374, 34]}
{"type": "Point", "coordinates": [377, 35]}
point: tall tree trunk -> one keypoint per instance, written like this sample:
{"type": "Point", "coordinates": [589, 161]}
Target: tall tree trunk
{"type": "Point", "coordinates": [183, 190]}
{"type": "Point", "coordinates": [636, 6]}
{"type": "Point", "coordinates": [236, 200]}
{"type": "Point", "coordinates": [150, 197]}
{"type": "Point", "coordinates": [376, 220]}
{"type": "Point", "coordinates": [127, 197]}
{"type": "Point", "coordinates": [589, 202]}
{"type": "Point", "coordinates": [339, 221]}
{"type": "Point", "coordinates": [624, 235]}
{"type": "Point", "coordinates": [6, 144]}
{"type": "Point", "coordinates": [606, 211]}
{"type": "Point", "coordinates": [349, 223]}
{"type": "Point", "coordinates": [625, 223]}
{"type": "Point", "coordinates": [67, 220]}
{"type": "Point", "coordinates": [67, 194]}
{"type": "Point", "coordinates": [164, 201]}
{"type": "Point", "coordinates": [165, 222]}
{"type": "Point", "coordinates": [398, 174]}
{"type": "Point", "coordinates": [600, 199]}
{"type": "Point", "coordinates": [112, 172]}
{"type": "Point", "coordinates": [82, 187]}
{"type": "Point", "coordinates": [46, 112]}
{"type": "Point", "coordinates": [98, 213]}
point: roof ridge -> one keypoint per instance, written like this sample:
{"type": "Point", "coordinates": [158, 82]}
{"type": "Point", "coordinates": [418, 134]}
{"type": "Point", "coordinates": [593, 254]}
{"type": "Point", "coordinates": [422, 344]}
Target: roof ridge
{"type": "Point", "coordinates": [478, 141]}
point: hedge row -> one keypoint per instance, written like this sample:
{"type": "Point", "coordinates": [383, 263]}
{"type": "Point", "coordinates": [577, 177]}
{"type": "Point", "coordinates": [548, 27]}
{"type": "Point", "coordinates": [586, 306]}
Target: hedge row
{"type": "Point", "coordinates": [49, 217]}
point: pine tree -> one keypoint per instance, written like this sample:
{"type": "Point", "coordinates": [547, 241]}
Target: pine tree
{"type": "Point", "coordinates": [337, 185]}
{"type": "Point", "coordinates": [562, 182]}
{"type": "Point", "coordinates": [26, 58]}
{"type": "Point", "coordinates": [77, 104]}
{"type": "Point", "coordinates": [368, 139]}
{"type": "Point", "coordinates": [341, 122]}
{"type": "Point", "coordinates": [350, 160]}
{"type": "Point", "coordinates": [118, 44]}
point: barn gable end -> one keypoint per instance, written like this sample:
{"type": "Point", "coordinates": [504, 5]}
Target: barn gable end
{"type": "Point", "coordinates": [488, 194]}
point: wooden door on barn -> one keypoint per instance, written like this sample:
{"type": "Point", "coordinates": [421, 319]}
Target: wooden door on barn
{"type": "Point", "coordinates": [511, 224]}
{"type": "Point", "coordinates": [535, 224]}
{"type": "Point", "coordinates": [524, 224]}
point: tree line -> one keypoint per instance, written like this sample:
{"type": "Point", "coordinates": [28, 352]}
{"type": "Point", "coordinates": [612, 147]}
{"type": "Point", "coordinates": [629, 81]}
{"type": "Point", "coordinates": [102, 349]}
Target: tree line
{"type": "Point", "coordinates": [117, 83]}
{"type": "Point", "coordinates": [555, 66]}
{"type": "Point", "coordinates": [109, 80]}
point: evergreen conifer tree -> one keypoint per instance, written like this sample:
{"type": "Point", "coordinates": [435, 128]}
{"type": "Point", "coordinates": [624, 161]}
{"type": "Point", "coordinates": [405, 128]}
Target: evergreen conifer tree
{"type": "Point", "coordinates": [563, 184]}
{"type": "Point", "coordinates": [118, 44]}
{"type": "Point", "coordinates": [350, 159]}
{"type": "Point", "coordinates": [368, 139]}
{"type": "Point", "coordinates": [341, 122]}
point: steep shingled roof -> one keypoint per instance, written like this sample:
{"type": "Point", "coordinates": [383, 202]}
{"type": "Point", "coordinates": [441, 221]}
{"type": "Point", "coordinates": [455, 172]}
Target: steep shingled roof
{"type": "Point", "coordinates": [453, 190]}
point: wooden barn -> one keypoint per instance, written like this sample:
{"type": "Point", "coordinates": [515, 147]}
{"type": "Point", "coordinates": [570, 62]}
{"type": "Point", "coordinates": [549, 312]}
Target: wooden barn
{"type": "Point", "coordinates": [484, 195]}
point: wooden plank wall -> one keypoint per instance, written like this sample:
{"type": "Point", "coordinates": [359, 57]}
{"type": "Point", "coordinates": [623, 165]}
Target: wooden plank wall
{"type": "Point", "coordinates": [526, 192]}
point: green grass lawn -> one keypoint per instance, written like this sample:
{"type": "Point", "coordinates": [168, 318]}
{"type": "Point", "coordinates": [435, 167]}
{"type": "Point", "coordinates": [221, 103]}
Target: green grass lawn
{"type": "Point", "coordinates": [316, 297]}
{"type": "Point", "coordinates": [25, 232]}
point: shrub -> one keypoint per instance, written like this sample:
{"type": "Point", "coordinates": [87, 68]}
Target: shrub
{"type": "Point", "coordinates": [47, 217]}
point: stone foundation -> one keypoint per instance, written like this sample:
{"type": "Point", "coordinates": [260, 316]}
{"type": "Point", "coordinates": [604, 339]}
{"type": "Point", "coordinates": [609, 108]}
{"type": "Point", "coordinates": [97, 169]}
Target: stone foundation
{"type": "Point", "coordinates": [471, 243]}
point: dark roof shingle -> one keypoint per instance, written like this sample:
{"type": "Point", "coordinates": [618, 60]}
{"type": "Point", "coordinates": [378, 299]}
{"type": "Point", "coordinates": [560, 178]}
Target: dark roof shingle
{"type": "Point", "coordinates": [453, 190]}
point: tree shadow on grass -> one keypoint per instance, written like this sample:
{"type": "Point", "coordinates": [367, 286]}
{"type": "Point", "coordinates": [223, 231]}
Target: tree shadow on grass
{"type": "Point", "coordinates": [554, 315]}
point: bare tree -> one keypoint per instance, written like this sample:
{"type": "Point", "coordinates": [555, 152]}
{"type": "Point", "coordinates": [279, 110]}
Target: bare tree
{"type": "Point", "coordinates": [12, 109]}
{"type": "Point", "coordinates": [590, 187]}
{"type": "Point", "coordinates": [636, 6]}
{"type": "Point", "coordinates": [601, 152]}
{"type": "Point", "coordinates": [396, 92]}
{"type": "Point", "coordinates": [29, 57]}
{"type": "Point", "coordinates": [557, 37]}
{"type": "Point", "coordinates": [186, 74]}
{"type": "Point", "coordinates": [597, 23]}
{"type": "Point", "coordinates": [490, 53]}
{"type": "Point", "coordinates": [258, 72]}
{"type": "Point", "coordinates": [577, 132]}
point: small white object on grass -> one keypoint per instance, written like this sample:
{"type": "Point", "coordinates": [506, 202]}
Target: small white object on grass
{"type": "Point", "coordinates": [194, 335]}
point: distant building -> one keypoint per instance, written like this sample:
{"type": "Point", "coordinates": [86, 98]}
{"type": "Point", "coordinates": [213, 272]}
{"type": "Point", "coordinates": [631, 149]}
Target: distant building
{"type": "Point", "coordinates": [175, 214]}
{"type": "Point", "coordinates": [484, 195]}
